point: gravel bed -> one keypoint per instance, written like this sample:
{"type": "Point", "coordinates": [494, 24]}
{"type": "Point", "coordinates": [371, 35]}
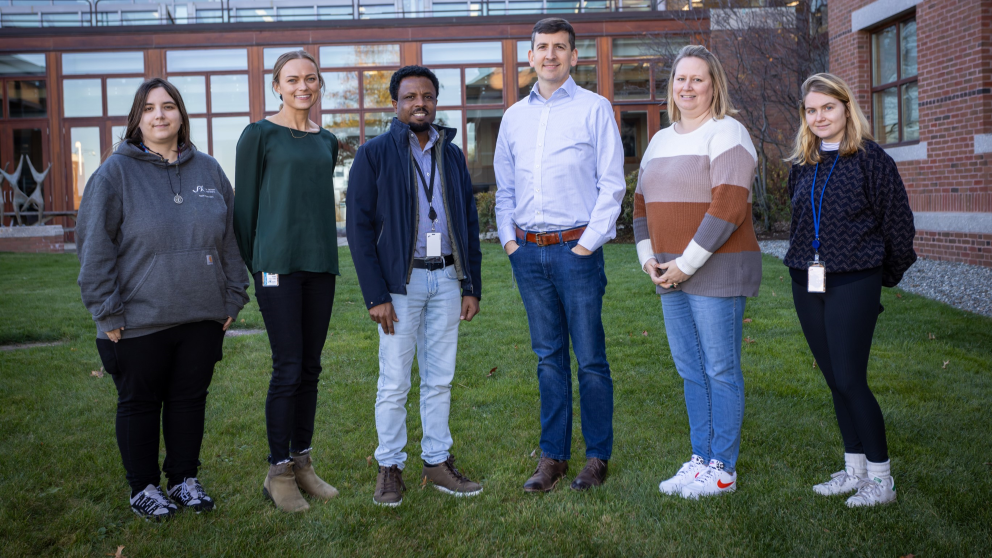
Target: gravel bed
{"type": "Point", "coordinates": [963, 286]}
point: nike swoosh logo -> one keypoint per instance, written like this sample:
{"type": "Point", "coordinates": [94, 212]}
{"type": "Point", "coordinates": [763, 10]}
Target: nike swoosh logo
{"type": "Point", "coordinates": [721, 486]}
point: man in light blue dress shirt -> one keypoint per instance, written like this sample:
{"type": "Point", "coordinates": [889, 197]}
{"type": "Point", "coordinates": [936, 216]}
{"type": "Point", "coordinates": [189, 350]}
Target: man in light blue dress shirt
{"type": "Point", "coordinates": [559, 172]}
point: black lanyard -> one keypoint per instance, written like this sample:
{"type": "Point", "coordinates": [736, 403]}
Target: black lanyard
{"type": "Point", "coordinates": [431, 214]}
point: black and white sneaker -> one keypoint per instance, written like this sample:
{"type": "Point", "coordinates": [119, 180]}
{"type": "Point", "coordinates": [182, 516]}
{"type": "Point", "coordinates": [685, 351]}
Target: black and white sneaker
{"type": "Point", "coordinates": [190, 494]}
{"type": "Point", "coordinates": [152, 505]}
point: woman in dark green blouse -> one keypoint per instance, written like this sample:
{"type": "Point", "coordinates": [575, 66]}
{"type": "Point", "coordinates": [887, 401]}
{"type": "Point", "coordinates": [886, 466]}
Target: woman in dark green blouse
{"type": "Point", "coordinates": [286, 231]}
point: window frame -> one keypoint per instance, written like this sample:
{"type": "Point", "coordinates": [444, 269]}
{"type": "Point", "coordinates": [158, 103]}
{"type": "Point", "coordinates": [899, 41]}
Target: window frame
{"type": "Point", "coordinates": [900, 82]}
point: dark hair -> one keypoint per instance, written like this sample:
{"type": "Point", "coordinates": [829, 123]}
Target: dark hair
{"type": "Point", "coordinates": [295, 55]}
{"type": "Point", "coordinates": [411, 71]}
{"type": "Point", "coordinates": [133, 131]}
{"type": "Point", "coordinates": [550, 26]}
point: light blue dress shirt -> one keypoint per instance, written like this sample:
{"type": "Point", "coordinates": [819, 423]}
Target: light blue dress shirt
{"type": "Point", "coordinates": [423, 158]}
{"type": "Point", "coordinates": [559, 165]}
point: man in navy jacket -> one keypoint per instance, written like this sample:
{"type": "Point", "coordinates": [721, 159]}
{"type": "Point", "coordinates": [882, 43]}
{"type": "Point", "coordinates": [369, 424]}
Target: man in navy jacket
{"type": "Point", "coordinates": [414, 237]}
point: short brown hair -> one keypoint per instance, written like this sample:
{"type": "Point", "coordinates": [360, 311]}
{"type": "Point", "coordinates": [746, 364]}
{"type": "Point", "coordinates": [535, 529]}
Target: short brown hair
{"type": "Point", "coordinates": [133, 131]}
{"type": "Point", "coordinates": [806, 150]}
{"type": "Point", "coordinates": [721, 105]}
{"type": "Point", "coordinates": [550, 26]}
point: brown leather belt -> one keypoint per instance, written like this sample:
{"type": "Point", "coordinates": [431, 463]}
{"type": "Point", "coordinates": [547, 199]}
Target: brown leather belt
{"type": "Point", "coordinates": [548, 238]}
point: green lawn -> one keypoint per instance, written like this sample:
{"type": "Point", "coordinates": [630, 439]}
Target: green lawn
{"type": "Point", "coordinates": [62, 488]}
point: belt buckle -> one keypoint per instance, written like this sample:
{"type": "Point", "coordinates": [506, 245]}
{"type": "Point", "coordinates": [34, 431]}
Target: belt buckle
{"type": "Point", "coordinates": [548, 238]}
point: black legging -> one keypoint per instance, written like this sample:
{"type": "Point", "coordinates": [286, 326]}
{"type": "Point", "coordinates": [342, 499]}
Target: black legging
{"type": "Point", "coordinates": [838, 326]}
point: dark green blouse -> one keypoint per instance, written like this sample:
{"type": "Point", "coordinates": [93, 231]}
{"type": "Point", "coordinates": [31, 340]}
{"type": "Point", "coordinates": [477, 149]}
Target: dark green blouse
{"type": "Point", "coordinates": [284, 199]}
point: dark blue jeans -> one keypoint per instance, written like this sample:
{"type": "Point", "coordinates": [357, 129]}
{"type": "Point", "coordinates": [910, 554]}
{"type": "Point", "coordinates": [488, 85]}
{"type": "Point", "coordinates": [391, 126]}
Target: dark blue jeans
{"type": "Point", "coordinates": [296, 315]}
{"type": "Point", "coordinates": [563, 295]}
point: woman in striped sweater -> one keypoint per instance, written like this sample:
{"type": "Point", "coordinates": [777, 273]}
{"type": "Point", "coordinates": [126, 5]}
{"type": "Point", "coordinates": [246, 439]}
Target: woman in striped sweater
{"type": "Point", "coordinates": [692, 224]}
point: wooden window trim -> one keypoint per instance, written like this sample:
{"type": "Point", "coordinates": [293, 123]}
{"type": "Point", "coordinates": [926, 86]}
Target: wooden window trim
{"type": "Point", "coordinates": [900, 81]}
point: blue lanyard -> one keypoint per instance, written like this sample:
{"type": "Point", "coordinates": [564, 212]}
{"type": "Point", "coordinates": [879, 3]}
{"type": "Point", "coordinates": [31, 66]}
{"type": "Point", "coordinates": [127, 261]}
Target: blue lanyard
{"type": "Point", "coordinates": [817, 213]}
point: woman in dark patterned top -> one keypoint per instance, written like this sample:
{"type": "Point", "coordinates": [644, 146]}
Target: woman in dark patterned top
{"type": "Point", "coordinates": [852, 233]}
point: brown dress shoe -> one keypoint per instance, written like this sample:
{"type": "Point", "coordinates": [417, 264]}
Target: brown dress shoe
{"type": "Point", "coordinates": [549, 472]}
{"type": "Point", "coordinates": [593, 474]}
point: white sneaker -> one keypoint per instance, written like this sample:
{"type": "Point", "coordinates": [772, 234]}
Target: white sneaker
{"type": "Point", "coordinates": [712, 481]}
{"type": "Point", "coordinates": [152, 505]}
{"type": "Point", "coordinates": [840, 482]}
{"type": "Point", "coordinates": [686, 474]}
{"type": "Point", "coordinates": [873, 492]}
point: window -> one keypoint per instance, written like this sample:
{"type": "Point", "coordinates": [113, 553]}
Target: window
{"type": "Point", "coordinates": [105, 85]}
{"type": "Point", "coordinates": [584, 73]}
{"type": "Point", "coordinates": [895, 101]}
{"type": "Point", "coordinates": [214, 86]}
{"type": "Point", "coordinates": [640, 67]}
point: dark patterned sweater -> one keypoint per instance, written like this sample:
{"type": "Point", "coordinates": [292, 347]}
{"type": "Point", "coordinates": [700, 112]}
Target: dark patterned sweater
{"type": "Point", "coordinates": [866, 220]}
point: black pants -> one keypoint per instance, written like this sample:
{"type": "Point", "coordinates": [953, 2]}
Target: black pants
{"type": "Point", "coordinates": [838, 326]}
{"type": "Point", "coordinates": [162, 378]}
{"type": "Point", "coordinates": [296, 315]}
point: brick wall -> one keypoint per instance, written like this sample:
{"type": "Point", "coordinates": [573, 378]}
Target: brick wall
{"type": "Point", "coordinates": [954, 60]}
{"type": "Point", "coordinates": [47, 239]}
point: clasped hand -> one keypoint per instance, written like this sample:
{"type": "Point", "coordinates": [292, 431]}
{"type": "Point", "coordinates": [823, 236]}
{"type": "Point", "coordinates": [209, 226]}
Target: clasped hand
{"type": "Point", "coordinates": [666, 274]}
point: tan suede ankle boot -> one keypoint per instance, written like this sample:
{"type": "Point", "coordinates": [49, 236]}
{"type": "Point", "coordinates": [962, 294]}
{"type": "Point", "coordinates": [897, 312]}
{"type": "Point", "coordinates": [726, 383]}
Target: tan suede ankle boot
{"type": "Point", "coordinates": [280, 487]}
{"type": "Point", "coordinates": [308, 480]}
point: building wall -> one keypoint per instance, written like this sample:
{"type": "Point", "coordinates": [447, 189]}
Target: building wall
{"type": "Point", "coordinates": [947, 174]}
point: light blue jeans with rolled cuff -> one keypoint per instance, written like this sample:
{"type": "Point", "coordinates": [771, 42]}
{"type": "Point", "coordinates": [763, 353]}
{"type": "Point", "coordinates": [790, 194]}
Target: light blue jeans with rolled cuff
{"type": "Point", "coordinates": [429, 314]}
{"type": "Point", "coordinates": [704, 334]}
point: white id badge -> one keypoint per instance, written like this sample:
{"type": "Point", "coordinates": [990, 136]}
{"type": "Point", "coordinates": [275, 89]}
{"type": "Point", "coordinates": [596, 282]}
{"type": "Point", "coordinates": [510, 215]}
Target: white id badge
{"type": "Point", "coordinates": [433, 245]}
{"type": "Point", "coordinates": [817, 277]}
{"type": "Point", "coordinates": [270, 279]}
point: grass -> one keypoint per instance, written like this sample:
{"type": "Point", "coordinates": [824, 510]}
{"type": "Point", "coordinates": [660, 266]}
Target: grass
{"type": "Point", "coordinates": [62, 489]}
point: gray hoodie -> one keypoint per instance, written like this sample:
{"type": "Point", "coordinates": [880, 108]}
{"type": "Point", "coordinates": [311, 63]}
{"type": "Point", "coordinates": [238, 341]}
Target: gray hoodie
{"type": "Point", "coordinates": [148, 263]}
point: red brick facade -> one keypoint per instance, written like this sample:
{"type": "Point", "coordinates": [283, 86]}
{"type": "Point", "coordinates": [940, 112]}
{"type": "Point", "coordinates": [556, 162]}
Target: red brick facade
{"type": "Point", "coordinates": [48, 239]}
{"type": "Point", "coordinates": [954, 57]}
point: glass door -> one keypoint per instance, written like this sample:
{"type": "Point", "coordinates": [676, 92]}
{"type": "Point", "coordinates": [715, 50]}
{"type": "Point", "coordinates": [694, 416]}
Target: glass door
{"type": "Point", "coordinates": [24, 157]}
{"type": "Point", "coordinates": [638, 124]}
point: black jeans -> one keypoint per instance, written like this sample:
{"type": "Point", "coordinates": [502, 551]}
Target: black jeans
{"type": "Point", "coordinates": [162, 378]}
{"type": "Point", "coordinates": [296, 315]}
{"type": "Point", "coordinates": [838, 326]}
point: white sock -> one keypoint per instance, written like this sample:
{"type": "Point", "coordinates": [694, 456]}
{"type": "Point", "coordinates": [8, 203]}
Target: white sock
{"type": "Point", "coordinates": [879, 470]}
{"type": "Point", "coordinates": [856, 464]}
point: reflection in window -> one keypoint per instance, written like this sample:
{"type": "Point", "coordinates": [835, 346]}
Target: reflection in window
{"type": "Point", "coordinates": [895, 96]}
{"type": "Point", "coordinates": [272, 100]}
{"type": "Point", "coordinates": [586, 48]}
{"type": "Point", "coordinates": [198, 136]}
{"type": "Point", "coordinates": [341, 90]}
{"type": "Point", "coordinates": [120, 95]}
{"type": "Point", "coordinates": [907, 50]}
{"type": "Point", "coordinates": [462, 53]}
{"type": "Point", "coordinates": [194, 92]}
{"type": "Point", "coordinates": [116, 136]}
{"type": "Point", "coordinates": [80, 63]}
{"type": "Point", "coordinates": [484, 86]}
{"type": "Point", "coordinates": [910, 112]}
{"type": "Point", "coordinates": [22, 64]}
{"type": "Point", "coordinates": [270, 55]}
{"type": "Point", "coordinates": [82, 97]}
{"type": "Point", "coordinates": [644, 47]}
{"type": "Point", "coordinates": [345, 127]}
{"type": "Point", "coordinates": [450, 87]}
{"type": "Point", "coordinates": [481, 129]}
{"type": "Point", "coordinates": [377, 123]}
{"type": "Point", "coordinates": [85, 158]}
{"type": "Point", "coordinates": [526, 78]}
{"type": "Point", "coordinates": [884, 49]}
{"type": "Point", "coordinates": [585, 77]}
{"type": "Point", "coordinates": [451, 119]}
{"type": "Point", "coordinates": [376, 89]}
{"type": "Point", "coordinates": [26, 99]}
{"type": "Point", "coordinates": [631, 81]}
{"type": "Point", "coordinates": [229, 93]}
{"type": "Point", "coordinates": [886, 113]}
{"type": "Point", "coordinates": [218, 59]}
{"type": "Point", "coordinates": [226, 131]}
{"type": "Point", "coordinates": [359, 55]}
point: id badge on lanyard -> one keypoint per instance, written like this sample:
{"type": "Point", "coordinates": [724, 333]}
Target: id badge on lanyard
{"type": "Point", "coordinates": [433, 238]}
{"type": "Point", "coordinates": [816, 270]}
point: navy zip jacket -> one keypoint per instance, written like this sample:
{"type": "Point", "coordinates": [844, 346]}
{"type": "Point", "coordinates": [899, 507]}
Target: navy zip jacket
{"type": "Point", "coordinates": [383, 213]}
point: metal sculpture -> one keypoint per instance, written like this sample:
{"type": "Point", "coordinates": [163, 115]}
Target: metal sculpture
{"type": "Point", "coordinates": [23, 202]}
{"type": "Point", "coordinates": [14, 179]}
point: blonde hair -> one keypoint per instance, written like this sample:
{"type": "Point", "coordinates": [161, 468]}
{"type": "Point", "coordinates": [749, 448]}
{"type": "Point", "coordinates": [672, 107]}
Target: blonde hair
{"type": "Point", "coordinates": [720, 106]}
{"type": "Point", "coordinates": [807, 148]}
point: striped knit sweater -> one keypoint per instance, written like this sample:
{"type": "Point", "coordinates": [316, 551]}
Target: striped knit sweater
{"type": "Point", "coordinates": [693, 205]}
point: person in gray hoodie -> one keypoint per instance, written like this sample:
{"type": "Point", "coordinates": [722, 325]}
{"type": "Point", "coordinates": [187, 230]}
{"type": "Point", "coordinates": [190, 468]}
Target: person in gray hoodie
{"type": "Point", "coordinates": [161, 273]}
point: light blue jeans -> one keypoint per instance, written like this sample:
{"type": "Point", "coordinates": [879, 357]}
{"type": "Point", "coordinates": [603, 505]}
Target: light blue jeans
{"type": "Point", "coordinates": [704, 333]}
{"type": "Point", "coordinates": [428, 315]}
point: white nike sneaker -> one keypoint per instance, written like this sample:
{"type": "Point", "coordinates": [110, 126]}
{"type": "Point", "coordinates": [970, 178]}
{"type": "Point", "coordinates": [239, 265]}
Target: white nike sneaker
{"type": "Point", "coordinates": [873, 492]}
{"type": "Point", "coordinates": [712, 481]}
{"type": "Point", "coordinates": [840, 482]}
{"type": "Point", "coordinates": [686, 474]}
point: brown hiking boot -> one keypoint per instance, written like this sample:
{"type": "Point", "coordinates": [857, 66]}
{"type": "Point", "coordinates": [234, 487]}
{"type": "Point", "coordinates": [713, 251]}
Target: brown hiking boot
{"type": "Point", "coordinates": [307, 479]}
{"type": "Point", "coordinates": [280, 487]}
{"type": "Point", "coordinates": [447, 479]}
{"type": "Point", "coordinates": [593, 474]}
{"type": "Point", "coordinates": [389, 486]}
{"type": "Point", "coordinates": [549, 472]}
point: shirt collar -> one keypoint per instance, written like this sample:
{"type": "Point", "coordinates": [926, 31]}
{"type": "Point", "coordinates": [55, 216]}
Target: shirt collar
{"type": "Point", "coordinates": [430, 143]}
{"type": "Point", "coordinates": [568, 88]}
